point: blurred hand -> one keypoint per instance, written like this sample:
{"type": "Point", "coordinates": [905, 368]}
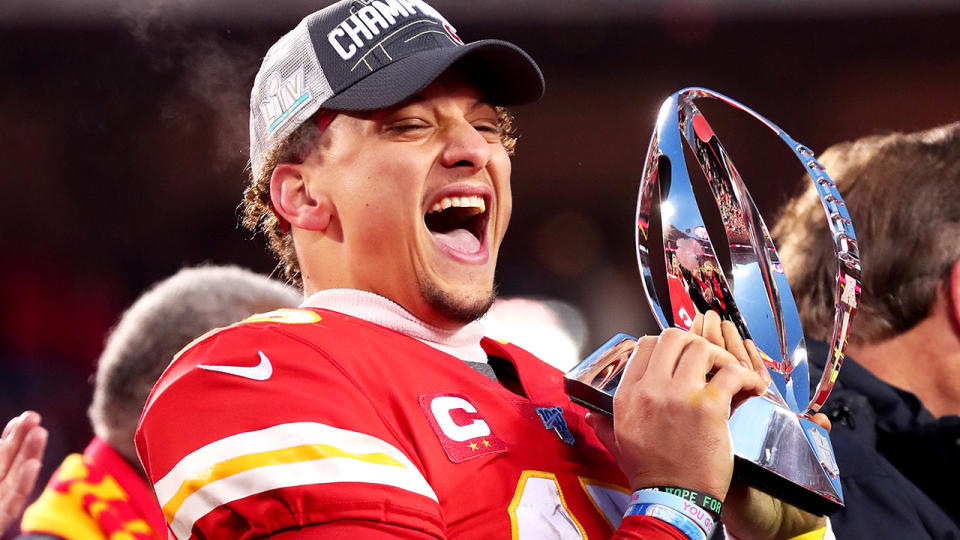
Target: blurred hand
{"type": "Point", "coordinates": [670, 421]}
{"type": "Point", "coordinates": [21, 450]}
{"type": "Point", "coordinates": [749, 513]}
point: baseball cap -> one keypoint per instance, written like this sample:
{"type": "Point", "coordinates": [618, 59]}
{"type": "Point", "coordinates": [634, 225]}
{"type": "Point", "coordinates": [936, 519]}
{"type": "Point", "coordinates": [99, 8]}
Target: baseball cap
{"type": "Point", "coordinates": [359, 55]}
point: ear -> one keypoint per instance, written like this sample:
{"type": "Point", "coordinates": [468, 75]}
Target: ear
{"type": "Point", "coordinates": [953, 294]}
{"type": "Point", "coordinates": [295, 202]}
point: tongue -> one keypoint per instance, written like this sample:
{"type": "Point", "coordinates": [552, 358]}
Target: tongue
{"type": "Point", "coordinates": [459, 240]}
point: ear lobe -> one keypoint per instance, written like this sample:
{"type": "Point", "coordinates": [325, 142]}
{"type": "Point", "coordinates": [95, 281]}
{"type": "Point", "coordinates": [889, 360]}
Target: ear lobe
{"type": "Point", "coordinates": [293, 200]}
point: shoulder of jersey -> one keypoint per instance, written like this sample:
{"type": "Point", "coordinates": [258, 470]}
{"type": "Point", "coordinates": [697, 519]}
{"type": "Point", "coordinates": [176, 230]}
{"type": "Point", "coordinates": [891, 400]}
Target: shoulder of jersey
{"type": "Point", "coordinates": [281, 328]}
{"type": "Point", "coordinates": [289, 317]}
{"type": "Point", "coordinates": [518, 355]}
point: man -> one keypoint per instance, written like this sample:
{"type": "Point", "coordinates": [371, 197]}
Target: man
{"type": "Point", "coordinates": [381, 175]}
{"type": "Point", "coordinates": [895, 407]}
{"type": "Point", "coordinates": [101, 494]}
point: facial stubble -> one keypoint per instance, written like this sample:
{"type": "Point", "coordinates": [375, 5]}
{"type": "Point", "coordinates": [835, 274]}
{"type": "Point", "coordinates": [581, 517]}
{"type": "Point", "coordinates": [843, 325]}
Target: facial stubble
{"type": "Point", "coordinates": [451, 308]}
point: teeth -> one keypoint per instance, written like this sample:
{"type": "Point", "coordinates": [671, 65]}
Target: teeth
{"type": "Point", "coordinates": [476, 202]}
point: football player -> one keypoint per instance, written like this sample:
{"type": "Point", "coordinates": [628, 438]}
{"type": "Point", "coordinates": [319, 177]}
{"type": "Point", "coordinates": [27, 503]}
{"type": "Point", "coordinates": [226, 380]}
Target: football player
{"type": "Point", "coordinates": [381, 176]}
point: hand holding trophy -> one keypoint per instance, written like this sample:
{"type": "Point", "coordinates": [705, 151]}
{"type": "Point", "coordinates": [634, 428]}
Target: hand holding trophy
{"type": "Point", "coordinates": [777, 447]}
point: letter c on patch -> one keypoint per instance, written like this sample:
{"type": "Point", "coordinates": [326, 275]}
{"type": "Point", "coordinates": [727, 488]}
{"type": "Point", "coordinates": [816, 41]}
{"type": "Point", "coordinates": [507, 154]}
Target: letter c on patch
{"type": "Point", "coordinates": [441, 407]}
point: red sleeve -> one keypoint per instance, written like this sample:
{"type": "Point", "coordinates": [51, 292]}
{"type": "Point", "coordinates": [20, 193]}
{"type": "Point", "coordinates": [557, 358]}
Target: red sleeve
{"type": "Point", "coordinates": [632, 528]}
{"type": "Point", "coordinates": [646, 528]}
{"type": "Point", "coordinates": [243, 454]}
{"type": "Point", "coordinates": [353, 530]}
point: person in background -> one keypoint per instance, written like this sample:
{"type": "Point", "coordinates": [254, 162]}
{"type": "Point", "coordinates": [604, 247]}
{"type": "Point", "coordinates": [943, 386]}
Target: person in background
{"type": "Point", "coordinates": [102, 493]}
{"type": "Point", "coordinates": [894, 407]}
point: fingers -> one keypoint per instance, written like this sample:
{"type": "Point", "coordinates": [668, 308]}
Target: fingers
{"type": "Point", "coordinates": [14, 496]}
{"type": "Point", "coordinates": [24, 446]}
{"type": "Point", "coordinates": [756, 360]}
{"type": "Point", "coordinates": [822, 420]}
{"type": "Point", "coordinates": [697, 327]}
{"type": "Point", "coordinates": [734, 344]}
{"type": "Point", "coordinates": [669, 347]}
{"type": "Point", "coordinates": [733, 384]}
{"type": "Point", "coordinates": [26, 466]}
{"type": "Point", "coordinates": [711, 328]}
{"type": "Point", "coordinates": [698, 359]}
{"type": "Point", "coordinates": [724, 334]}
{"type": "Point", "coordinates": [13, 436]}
{"type": "Point", "coordinates": [639, 360]}
{"type": "Point", "coordinates": [34, 443]}
{"type": "Point", "coordinates": [13, 422]}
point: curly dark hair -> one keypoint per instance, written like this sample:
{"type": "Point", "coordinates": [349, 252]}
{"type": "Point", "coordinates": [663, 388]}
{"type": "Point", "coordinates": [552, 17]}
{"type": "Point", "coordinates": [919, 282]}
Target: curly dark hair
{"type": "Point", "coordinates": [257, 211]}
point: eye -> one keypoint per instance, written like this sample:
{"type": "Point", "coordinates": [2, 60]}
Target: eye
{"type": "Point", "coordinates": [406, 126]}
{"type": "Point", "coordinates": [487, 127]}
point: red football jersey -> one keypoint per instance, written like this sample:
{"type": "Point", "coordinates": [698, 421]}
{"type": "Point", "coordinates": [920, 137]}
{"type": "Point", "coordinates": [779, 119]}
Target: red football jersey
{"type": "Point", "coordinates": [683, 307]}
{"type": "Point", "coordinates": [309, 416]}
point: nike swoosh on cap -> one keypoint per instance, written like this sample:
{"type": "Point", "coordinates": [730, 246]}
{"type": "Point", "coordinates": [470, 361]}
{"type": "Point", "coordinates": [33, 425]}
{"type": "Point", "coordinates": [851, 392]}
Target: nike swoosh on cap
{"type": "Point", "coordinates": [259, 372]}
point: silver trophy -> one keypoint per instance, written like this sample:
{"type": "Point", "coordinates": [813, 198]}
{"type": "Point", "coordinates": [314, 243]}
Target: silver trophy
{"type": "Point", "coordinates": [778, 448]}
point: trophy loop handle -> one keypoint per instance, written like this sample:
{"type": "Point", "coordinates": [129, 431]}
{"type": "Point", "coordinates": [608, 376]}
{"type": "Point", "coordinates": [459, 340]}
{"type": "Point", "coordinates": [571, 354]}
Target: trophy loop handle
{"type": "Point", "coordinates": [678, 116]}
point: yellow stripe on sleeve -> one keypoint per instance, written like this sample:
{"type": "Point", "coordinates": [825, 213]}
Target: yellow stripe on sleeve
{"type": "Point", "coordinates": [816, 534]}
{"type": "Point", "coordinates": [296, 454]}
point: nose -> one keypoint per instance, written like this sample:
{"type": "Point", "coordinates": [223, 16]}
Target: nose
{"type": "Point", "coordinates": [465, 148]}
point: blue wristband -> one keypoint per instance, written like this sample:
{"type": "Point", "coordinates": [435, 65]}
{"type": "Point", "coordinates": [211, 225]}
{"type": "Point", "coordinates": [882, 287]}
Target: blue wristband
{"type": "Point", "coordinates": [685, 525]}
{"type": "Point", "coordinates": [688, 509]}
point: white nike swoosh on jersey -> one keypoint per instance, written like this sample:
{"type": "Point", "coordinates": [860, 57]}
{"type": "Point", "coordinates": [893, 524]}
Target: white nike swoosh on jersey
{"type": "Point", "coordinates": [259, 372]}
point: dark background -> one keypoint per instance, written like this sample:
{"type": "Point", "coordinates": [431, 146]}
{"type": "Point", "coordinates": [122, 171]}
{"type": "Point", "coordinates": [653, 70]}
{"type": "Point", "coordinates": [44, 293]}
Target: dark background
{"type": "Point", "coordinates": [124, 133]}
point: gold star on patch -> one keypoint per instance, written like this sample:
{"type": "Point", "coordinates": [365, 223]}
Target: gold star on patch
{"type": "Point", "coordinates": [473, 446]}
{"type": "Point", "coordinates": [486, 443]}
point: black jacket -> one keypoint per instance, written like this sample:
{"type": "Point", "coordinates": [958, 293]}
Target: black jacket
{"type": "Point", "coordinates": [899, 466]}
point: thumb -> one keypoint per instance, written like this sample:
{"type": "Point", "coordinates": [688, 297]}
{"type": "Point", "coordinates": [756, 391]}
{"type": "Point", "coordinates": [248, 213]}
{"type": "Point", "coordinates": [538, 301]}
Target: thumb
{"type": "Point", "coordinates": [822, 420]}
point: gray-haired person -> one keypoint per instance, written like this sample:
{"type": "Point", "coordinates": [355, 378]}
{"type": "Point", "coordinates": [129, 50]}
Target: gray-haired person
{"type": "Point", "coordinates": [895, 405]}
{"type": "Point", "coordinates": [103, 492]}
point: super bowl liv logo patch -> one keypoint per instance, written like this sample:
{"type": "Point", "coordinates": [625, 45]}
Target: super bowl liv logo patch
{"type": "Point", "coordinates": [284, 96]}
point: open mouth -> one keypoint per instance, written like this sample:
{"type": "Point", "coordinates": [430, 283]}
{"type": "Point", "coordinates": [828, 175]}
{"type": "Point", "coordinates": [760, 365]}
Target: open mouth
{"type": "Point", "coordinates": [459, 223]}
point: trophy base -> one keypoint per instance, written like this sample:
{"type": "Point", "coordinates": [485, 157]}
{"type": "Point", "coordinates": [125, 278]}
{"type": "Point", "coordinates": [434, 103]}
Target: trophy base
{"type": "Point", "coordinates": [785, 455]}
{"type": "Point", "coordinates": [770, 482]}
{"type": "Point", "coordinates": [776, 450]}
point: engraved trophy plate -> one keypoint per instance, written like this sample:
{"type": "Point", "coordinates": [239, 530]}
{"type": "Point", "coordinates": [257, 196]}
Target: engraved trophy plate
{"type": "Point", "coordinates": [777, 447]}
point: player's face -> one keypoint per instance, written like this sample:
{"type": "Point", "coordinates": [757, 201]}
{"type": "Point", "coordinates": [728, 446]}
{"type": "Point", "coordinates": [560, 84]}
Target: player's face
{"type": "Point", "coordinates": [422, 195]}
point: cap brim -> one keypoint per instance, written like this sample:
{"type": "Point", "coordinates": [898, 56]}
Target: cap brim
{"type": "Point", "coordinates": [506, 74]}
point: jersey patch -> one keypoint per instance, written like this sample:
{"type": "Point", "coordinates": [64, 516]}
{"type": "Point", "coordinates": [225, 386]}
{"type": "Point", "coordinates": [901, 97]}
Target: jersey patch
{"type": "Point", "coordinates": [552, 418]}
{"type": "Point", "coordinates": [462, 431]}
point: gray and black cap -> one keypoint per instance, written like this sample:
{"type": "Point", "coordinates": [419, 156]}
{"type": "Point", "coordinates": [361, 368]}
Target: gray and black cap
{"type": "Point", "coordinates": [369, 54]}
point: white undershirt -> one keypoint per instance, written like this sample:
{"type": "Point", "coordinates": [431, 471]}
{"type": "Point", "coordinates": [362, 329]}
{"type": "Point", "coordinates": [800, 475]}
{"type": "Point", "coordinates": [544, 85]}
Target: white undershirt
{"type": "Point", "coordinates": [463, 343]}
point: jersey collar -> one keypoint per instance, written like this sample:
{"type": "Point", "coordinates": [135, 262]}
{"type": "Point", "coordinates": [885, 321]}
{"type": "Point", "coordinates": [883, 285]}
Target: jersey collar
{"type": "Point", "coordinates": [371, 307]}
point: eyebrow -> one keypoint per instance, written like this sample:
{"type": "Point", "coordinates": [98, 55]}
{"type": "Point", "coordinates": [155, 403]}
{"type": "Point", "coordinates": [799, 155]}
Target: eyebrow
{"type": "Point", "coordinates": [480, 102]}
